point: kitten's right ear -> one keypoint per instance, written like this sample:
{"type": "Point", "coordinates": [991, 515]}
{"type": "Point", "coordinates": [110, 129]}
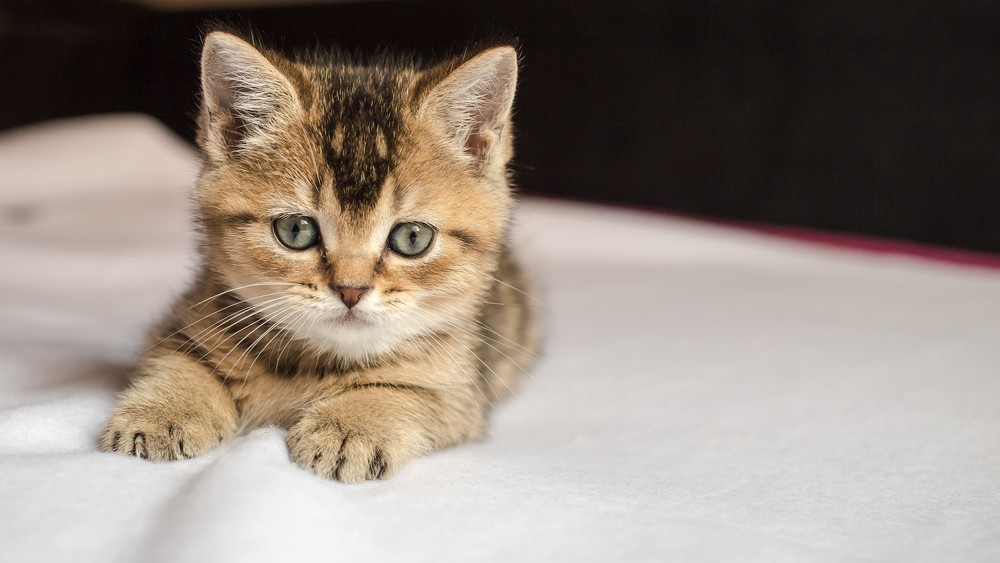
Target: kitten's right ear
{"type": "Point", "coordinates": [244, 97]}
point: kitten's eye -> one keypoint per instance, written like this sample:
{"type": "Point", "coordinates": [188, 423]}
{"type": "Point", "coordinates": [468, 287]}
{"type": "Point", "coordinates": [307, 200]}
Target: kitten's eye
{"type": "Point", "coordinates": [297, 233]}
{"type": "Point", "coordinates": [410, 239]}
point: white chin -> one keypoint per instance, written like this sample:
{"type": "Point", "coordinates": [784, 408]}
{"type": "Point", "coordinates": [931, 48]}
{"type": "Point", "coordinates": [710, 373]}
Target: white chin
{"type": "Point", "coordinates": [352, 338]}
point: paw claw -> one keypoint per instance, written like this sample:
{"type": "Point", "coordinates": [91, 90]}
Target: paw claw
{"type": "Point", "coordinates": [350, 457]}
{"type": "Point", "coordinates": [140, 447]}
{"type": "Point", "coordinates": [145, 435]}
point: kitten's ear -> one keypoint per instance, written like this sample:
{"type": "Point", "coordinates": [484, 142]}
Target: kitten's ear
{"type": "Point", "coordinates": [244, 96]}
{"type": "Point", "coordinates": [472, 103]}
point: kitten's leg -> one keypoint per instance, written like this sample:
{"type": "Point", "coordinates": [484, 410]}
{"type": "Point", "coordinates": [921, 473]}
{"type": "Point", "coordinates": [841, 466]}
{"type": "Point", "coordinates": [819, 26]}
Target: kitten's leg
{"type": "Point", "coordinates": [174, 409]}
{"type": "Point", "coordinates": [370, 431]}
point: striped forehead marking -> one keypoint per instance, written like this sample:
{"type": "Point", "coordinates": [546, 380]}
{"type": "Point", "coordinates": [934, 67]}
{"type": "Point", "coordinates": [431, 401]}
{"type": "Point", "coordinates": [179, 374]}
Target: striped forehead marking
{"type": "Point", "coordinates": [361, 148]}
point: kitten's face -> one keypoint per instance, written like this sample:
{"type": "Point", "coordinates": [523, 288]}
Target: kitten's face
{"type": "Point", "coordinates": [360, 208]}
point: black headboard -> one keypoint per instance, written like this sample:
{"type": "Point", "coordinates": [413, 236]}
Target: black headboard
{"type": "Point", "coordinates": [880, 118]}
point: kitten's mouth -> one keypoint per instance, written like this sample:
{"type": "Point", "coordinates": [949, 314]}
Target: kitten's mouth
{"type": "Point", "coordinates": [352, 317]}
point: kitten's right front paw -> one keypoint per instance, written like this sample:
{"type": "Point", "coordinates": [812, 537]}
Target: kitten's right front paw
{"type": "Point", "coordinates": [162, 434]}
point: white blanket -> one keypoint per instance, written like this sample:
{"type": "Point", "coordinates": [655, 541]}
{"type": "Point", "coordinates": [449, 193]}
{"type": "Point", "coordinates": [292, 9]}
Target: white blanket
{"type": "Point", "coordinates": [709, 394]}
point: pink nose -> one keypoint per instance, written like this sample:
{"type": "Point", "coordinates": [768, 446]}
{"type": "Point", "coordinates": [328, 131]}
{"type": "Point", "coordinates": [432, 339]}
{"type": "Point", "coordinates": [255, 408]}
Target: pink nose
{"type": "Point", "coordinates": [350, 295]}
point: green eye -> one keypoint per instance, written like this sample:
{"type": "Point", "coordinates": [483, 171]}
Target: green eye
{"type": "Point", "coordinates": [297, 232]}
{"type": "Point", "coordinates": [410, 239]}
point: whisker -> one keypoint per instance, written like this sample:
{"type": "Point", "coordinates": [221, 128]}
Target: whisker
{"type": "Point", "coordinates": [471, 351]}
{"type": "Point", "coordinates": [237, 345]}
{"type": "Point", "coordinates": [490, 329]}
{"type": "Point", "coordinates": [230, 320]}
{"type": "Point", "coordinates": [189, 325]}
{"type": "Point", "coordinates": [251, 329]}
{"type": "Point", "coordinates": [247, 306]}
{"type": "Point", "coordinates": [280, 332]}
{"type": "Point", "coordinates": [259, 353]}
{"type": "Point", "coordinates": [316, 351]}
{"type": "Point", "coordinates": [479, 337]}
{"type": "Point", "coordinates": [528, 295]}
{"type": "Point", "coordinates": [290, 336]}
{"type": "Point", "coordinates": [261, 320]}
{"type": "Point", "coordinates": [221, 293]}
{"type": "Point", "coordinates": [457, 367]}
{"type": "Point", "coordinates": [441, 296]}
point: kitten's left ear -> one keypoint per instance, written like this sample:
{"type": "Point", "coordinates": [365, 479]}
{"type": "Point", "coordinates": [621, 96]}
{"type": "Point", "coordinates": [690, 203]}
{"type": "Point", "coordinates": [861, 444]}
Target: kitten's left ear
{"type": "Point", "coordinates": [473, 102]}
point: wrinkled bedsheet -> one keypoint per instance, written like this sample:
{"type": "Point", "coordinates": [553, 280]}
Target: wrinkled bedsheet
{"type": "Point", "coordinates": [707, 394]}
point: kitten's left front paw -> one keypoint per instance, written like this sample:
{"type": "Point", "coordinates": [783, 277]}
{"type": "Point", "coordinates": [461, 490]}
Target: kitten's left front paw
{"type": "Point", "coordinates": [349, 442]}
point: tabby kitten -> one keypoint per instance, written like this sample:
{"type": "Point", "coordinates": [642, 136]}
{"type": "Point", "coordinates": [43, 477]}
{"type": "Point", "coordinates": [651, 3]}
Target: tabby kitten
{"type": "Point", "coordinates": [355, 286]}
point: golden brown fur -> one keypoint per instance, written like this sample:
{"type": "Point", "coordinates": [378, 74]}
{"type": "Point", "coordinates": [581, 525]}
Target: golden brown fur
{"type": "Point", "coordinates": [264, 335]}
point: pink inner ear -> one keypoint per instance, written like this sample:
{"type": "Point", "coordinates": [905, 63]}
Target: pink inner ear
{"type": "Point", "coordinates": [477, 144]}
{"type": "Point", "coordinates": [485, 130]}
{"type": "Point", "coordinates": [474, 101]}
{"type": "Point", "coordinates": [233, 126]}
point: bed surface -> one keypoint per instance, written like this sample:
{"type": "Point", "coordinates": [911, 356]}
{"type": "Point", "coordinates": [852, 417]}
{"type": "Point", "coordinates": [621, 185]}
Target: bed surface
{"type": "Point", "coordinates": [708, 394]}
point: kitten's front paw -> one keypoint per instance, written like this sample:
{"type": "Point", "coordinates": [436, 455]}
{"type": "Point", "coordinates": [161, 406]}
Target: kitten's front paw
{"type": "Point", "coordinates": [164, 432]}
{"type": "Point", "coordinates": [351, 446]}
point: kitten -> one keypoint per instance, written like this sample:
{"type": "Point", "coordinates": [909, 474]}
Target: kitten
{"type": "Point", "coordinates": [355, 286]}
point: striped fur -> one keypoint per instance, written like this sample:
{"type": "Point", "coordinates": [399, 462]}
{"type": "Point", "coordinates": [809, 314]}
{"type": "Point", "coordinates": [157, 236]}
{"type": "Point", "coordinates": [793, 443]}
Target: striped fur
{"type": "Point", "coordinates": [263, 336]}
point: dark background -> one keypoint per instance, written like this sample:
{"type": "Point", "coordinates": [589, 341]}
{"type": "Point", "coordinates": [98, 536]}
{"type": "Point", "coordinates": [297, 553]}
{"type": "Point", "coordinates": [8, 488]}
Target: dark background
{"type": "Point", "coordinates": [880, 118]}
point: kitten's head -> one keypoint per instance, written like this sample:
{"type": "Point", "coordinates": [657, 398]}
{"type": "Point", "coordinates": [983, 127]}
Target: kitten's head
{"type": "Point", "coordinates": [356, 205]}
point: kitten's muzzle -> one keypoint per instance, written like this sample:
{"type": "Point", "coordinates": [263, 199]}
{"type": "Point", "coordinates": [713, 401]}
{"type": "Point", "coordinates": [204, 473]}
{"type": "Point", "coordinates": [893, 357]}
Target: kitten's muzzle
{"type": "Point", "coordinates": [350, 295]}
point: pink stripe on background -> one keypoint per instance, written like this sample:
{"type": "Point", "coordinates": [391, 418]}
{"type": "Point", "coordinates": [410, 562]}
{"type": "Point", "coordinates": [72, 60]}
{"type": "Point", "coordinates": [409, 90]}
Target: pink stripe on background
{"type": "Point", "coordinates": [874, 245]}
{"type": "Point", "coordinates": [828, 238]}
